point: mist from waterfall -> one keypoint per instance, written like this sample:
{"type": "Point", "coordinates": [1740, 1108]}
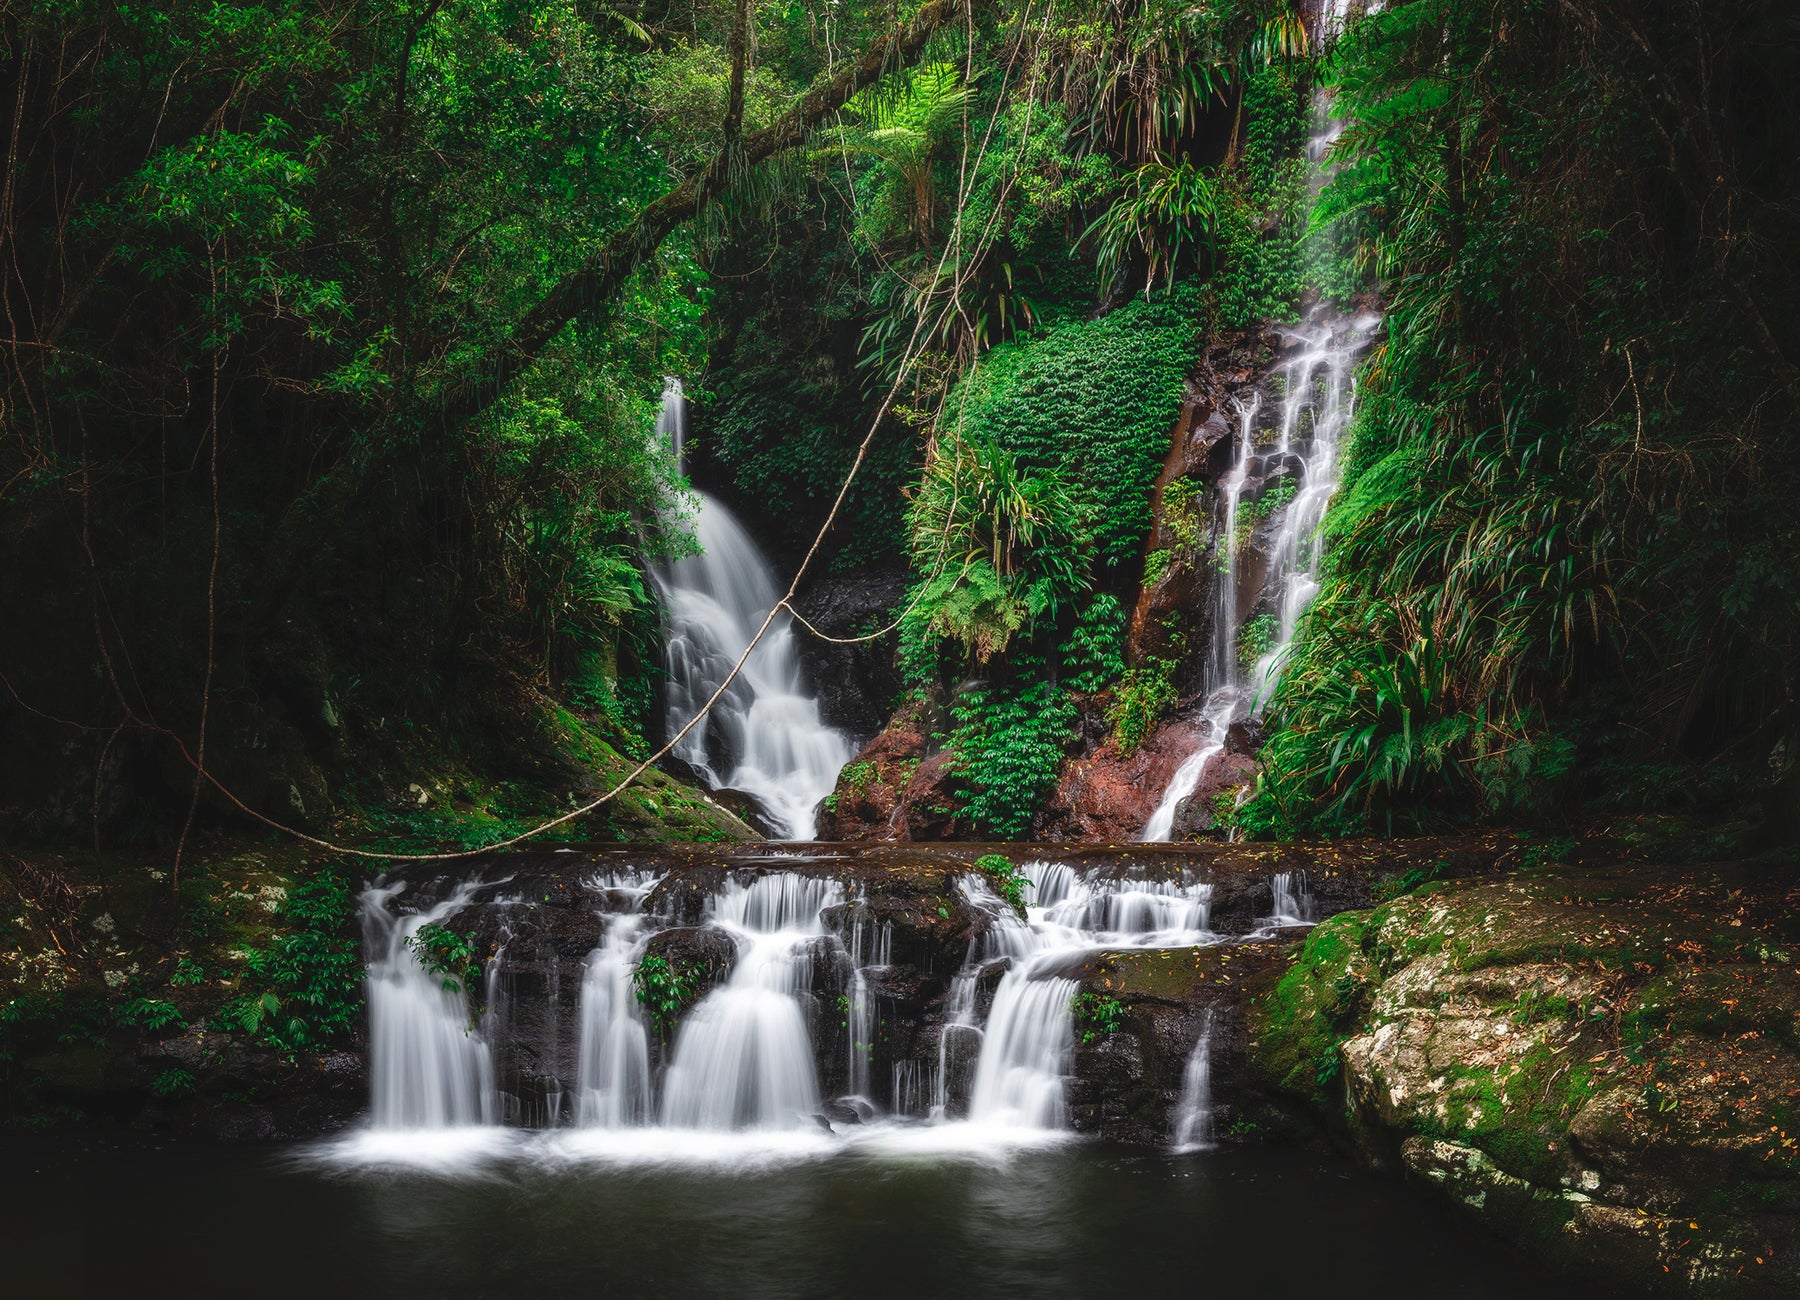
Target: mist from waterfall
{"type": "Point", "coordinates": [765, 736]}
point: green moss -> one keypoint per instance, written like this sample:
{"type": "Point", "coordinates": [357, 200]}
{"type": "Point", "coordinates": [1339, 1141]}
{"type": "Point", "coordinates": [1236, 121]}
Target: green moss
{"type": "Point", "coordinates": [1299, 1025]}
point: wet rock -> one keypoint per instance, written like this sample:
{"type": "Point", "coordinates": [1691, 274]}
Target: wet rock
{"type": "Point", "coordinates": [856, 683]}
{"type": "Point", "coordinates": [1206, 811]}
{"type": "Point", "coordinates": [752, 810]}
{"type": "Point", "coordinates": [1107, 797]}
{"type": "Point", "coordinates": [900, 787]}
{"type": "Point", "coordinates": [709, 954]}
{"type": "Point", "coordinates": [1245, 736]}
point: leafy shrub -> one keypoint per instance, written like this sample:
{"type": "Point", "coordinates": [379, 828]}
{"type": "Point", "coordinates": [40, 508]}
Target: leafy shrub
{"type": "Point", "coordinates": [1096, 1016]}
{"type": "Point", "coordinates": [1117, 380]}
{"type": "Point", "coordinates": [311, 976]}
{"type": "Point", "coordinates": [664, 990]}
{"type": "Point", "coordinates": [1093, 654]}
{"type": "Point", "coordinates": [1255, 638]}
{"type": "Point", "coordinates": [1006, 877]}
{"type": "Point", "coordinates": [1000, 547]}
{"type": "Point", "coordinates": [445, 953]}
{"type": "Point", "coordinates": [149, 1014]}
{"type": "Point", "coordinates": [1144, 695]}
{"type": "Point", "coordinates": [1008, 746]}
{"type": "Point", "coordinates": [172, 1083]}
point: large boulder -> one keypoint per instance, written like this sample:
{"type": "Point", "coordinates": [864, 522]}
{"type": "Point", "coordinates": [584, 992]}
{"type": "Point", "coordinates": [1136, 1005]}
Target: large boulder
{"type": "Point", "coordinates": [1599, 1063]}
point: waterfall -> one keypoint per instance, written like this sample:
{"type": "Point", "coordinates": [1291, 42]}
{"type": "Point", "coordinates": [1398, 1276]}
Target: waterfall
{"type": "Point", "coordinates": [765, 735]}
{"type": "Point", "coordinates": [613, 1086]}
{"type": "Point", "coordinates": [1027, 1046]}
{"type": "Point", "coordinates": [1193, 1112]}
{"type": "Point", "coordinates": [1318, 399]}
{"type": "Point", "coordinates": [1319, 402]}
{"type": "Point", "coordinates": [742, 1057]}
{"type": "Point", "coordinates": [1293, 900]}
{"type": "Point", "coordinates": [1027, 1052]}
{"type": "Point", "coordinates": [428, 1068]}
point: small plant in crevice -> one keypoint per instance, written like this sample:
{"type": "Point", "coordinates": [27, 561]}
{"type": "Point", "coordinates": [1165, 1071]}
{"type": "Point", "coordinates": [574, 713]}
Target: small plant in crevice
{"type": "Point", "coordinates": [1097, 1015]}
{"type": "Point", "coordinates": [172, 1084]}
{"type": "Point", "coordinates": [446, 954]}
{"type": "Point", "coordinates": [1255, 638]}
{"type": "Point", "coordinates": [1006, 876]}
{"type": "Point", "coordinates": [1145, 693]}
{"type": "Point", "coordinates": [665, 990]}
{"type": "Point", "coordinates": [1391, 887]}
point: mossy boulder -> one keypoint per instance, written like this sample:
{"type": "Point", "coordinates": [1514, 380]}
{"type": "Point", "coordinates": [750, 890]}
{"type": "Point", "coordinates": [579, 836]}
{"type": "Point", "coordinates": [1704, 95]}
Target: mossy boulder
{"type": "Point", "coordinates": [1602, 1063]}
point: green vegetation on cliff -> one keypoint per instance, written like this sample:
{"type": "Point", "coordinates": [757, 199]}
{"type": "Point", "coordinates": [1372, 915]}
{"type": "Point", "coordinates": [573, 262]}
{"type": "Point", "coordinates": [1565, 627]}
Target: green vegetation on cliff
{"type": "Point", "coordinates": [1562, 562]}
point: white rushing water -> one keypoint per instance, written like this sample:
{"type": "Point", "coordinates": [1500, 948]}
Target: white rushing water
{"type": "Point", "coordinates": [429, 1067]}
{"type": "Point", "coordinates": [1027, 1047]}
{"type": "Point", "coordinates": [743, 1057]}
{"type": "Point", "coordinates": [613, 1079]}
{"type": "Point", "coordinates": [1192, 1127]}
{"type": "Point", "coordinates": [743, 1070]}
{"type": "Point", "coordinates": [1300, 448]}
{"type": "Point", "coordinates": [765, 735]}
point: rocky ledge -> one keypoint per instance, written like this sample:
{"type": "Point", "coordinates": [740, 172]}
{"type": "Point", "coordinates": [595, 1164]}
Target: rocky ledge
{"type": "Point", "coordinates": [1602, 1064]}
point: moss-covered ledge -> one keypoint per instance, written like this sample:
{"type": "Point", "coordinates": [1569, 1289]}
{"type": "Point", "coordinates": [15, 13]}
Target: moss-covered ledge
{"type": "Point", "coordinates": [1601, 1063]}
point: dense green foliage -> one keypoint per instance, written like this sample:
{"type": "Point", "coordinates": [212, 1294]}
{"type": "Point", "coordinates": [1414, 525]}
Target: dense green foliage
{"type": "Point", "coordinates": [665, 990]}
{"type": "Point", "coordinates": [305, 989]}
{"type": "Point", "coordinates": [1564, 558]}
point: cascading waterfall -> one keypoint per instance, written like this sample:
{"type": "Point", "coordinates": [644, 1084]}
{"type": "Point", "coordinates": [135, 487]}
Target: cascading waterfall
{"type": "Point", "coordinates": [1028, 1044]}
{"type": "Point", "coordinates": [429, 1067]}
{"type": "Point", "coordinates": [765, 735]}
{"type": "Point", "coordinates": [1027, 1052]}
{"type": "Point", "coordinates": [1318, 403]}
{"type": "Point", "coordinates": [1293, 900]}
{"type": "Point", "coordinates": [1317, 409]}
{"type": "Point", "coordinates": [742, 1057]}
{"type": "Point", "coordinates": [613, 1083]}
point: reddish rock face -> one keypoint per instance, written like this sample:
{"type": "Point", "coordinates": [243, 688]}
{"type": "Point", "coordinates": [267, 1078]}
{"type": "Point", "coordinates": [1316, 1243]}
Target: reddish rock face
{"type": "Point", "coordinates": [1198, 815]}
{"type": "Point", "coordinates": [1106, 797]}
{"type": "Point", "coordinates": [899, 787]}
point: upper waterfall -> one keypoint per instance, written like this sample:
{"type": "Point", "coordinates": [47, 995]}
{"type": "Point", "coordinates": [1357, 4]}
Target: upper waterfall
{"type": "Point", "coordinates": [765, 735]}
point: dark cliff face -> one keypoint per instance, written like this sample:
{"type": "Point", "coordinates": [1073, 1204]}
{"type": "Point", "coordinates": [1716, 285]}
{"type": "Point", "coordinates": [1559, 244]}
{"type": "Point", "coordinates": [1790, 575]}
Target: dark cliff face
{"type": "Point", "coordinates": [856, 683]}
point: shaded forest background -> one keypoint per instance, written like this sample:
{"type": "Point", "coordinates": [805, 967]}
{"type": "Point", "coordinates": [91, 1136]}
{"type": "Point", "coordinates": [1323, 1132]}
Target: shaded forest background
{"type": "Point", "coordinates": [324, 465]}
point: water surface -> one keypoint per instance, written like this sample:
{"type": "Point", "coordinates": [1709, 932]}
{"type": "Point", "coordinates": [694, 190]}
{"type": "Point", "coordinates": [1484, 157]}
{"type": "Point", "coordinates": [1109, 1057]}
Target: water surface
{"type": "Point", "coordinates": [539, 1218]}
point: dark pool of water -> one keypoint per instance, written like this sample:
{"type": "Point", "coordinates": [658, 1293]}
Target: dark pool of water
{"type": "Point", "coordinates": [125, 1218]}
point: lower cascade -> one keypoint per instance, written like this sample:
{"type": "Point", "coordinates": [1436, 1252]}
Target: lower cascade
{"type": "Point", "coordinates": [760, 1004]}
